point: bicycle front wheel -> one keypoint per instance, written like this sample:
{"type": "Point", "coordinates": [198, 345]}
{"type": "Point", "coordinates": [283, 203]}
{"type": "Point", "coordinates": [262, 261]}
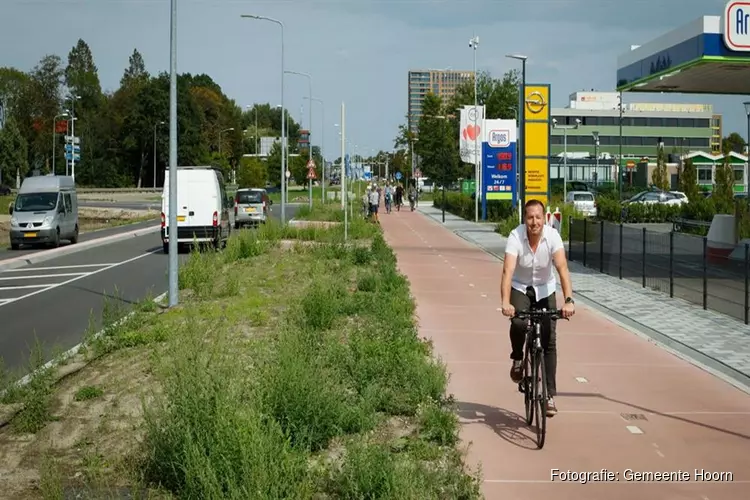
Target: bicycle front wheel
{"type": "Point", "coordinates": [540, 398]}
{"type": "Point", "coordinates": [528, 387]}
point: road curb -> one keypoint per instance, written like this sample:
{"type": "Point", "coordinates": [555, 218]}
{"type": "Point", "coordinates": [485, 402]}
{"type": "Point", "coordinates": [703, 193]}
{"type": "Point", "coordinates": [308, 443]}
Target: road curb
{"type": "Point", "coordinates": [69, 249]}
{"type": "Point", "coordinates": [64, 369]}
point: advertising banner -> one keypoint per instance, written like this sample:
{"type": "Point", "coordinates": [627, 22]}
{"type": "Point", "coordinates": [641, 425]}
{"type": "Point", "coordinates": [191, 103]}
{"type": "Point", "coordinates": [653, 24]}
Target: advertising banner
{"type": "Point", "coordinates": [536, 143]}
{"type": "Point", "coordinates": [499, 162]}
{"type": "Point", "coordinates": [470, 133]}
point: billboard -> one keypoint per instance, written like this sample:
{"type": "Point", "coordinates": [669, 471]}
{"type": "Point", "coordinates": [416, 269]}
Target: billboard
{"type": "Point", "coordinates": [499, 162]}
{"type": "Point", "coordinates": [470, 133]}
{"type": "Point", "coordinates": [536, 143]}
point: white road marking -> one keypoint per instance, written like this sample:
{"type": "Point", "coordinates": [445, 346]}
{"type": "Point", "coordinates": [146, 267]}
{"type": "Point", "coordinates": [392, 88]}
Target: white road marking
{"type": "Point", "coordinates": [484, 295]}
{"type": "Point", "coordinates": [460, 275]}
{"type": "Point", "coordinates": [71, 280]}
{"type": "Point", "coordinates": [24, 287]}
{"type": "Point", "coordinates": [471, 285]}
{"type": "Point", "coordinates": [49, 268]}
{"type": "Point", "coordinates": [634, 429]}
{"type": "Point", "coordinates": [581, 380]}
{"type": "Point", "coordinates": [39, 276]}
{"type": "Point", "coordinates": [658, 452]}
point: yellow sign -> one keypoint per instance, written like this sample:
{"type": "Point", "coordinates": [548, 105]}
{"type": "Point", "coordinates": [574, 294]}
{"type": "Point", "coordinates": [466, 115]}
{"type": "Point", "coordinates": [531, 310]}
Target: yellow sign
{"type": "Point", "coordinates": [536, 112]}
{"type": "Point", "coordinates": [537, 175]}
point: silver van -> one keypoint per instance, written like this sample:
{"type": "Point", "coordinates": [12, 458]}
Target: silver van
{"type": "Point", "coordinates": [251, 207]}
{"type": "Point", "coordinates": [45, 211]}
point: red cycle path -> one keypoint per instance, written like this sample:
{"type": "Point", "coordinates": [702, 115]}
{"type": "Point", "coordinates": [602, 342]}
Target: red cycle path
{"type": "Point", "coordinates": [624, 404]}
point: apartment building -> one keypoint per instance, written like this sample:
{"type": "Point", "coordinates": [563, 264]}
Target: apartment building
{"type": "Point", "coordinates": [442, 83]}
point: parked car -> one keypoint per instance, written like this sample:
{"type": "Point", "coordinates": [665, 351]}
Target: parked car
{"type": "Point", "coordinates": [251, 207]}
{"type": "Point", "coordinates": [583, 201]}
{"type": "Point", "coordinates": [650, 197]}
{"type": "Point", "coordinates": [4, 190]}
{"type": "Point", "coordinates": [680, 195]}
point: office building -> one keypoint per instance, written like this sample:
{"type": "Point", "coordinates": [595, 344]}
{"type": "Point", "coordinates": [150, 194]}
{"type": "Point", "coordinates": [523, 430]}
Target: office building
{"type": "Point", "coordinates": [442, 83]}
{"type": "Point", "coordinates": [681, 127]}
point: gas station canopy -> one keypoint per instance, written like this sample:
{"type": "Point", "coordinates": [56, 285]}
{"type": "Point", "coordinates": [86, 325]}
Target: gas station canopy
{"type": "Point", "coordinates": [710, 55]}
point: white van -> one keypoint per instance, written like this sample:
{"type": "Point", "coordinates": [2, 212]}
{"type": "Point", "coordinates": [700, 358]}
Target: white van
{"type": "Point", "coordinates": [45, 211]}
{"type": "Point", "coordinates": [204, 211]}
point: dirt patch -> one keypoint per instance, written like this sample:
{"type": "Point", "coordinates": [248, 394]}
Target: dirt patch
{"type": "Point", "coordinates": [82, 432]}
{"type": "Point", "coordinates": [115, 197]}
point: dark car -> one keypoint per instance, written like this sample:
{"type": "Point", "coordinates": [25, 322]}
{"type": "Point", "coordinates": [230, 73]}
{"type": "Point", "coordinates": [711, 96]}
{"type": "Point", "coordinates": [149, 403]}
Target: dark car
{"type": "Point", "coordinates": [4, 190]}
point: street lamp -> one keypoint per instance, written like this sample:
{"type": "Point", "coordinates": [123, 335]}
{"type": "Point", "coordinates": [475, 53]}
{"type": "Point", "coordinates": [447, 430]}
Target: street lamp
{"type": "Point", "coordinates": [595, 135]}
{"type": "Point", "coordinates": [309, 131]}
{"type": "Point", "coordinates": [322, 146]}
{"type": "Point", "coordinates": [283, 126]}
{"type": "Point", "coordinates": [521, 132]}
{"type": "Point", "coordinates": [474, 44]}
{"type": "Point", "coordinates": [155, 125]}
{"type": "Point", "coordinates": [64, 114]}
{"type": "Point", "coordinates": [565, 129]}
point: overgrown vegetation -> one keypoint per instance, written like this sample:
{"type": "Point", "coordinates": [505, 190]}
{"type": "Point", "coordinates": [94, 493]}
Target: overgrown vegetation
{"type": "Point", "coordinates": [259, 389]}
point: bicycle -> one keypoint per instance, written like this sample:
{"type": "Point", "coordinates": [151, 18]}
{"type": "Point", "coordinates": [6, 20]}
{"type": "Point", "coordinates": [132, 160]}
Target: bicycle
{"type": "Point", "coordinates": [533, 363]}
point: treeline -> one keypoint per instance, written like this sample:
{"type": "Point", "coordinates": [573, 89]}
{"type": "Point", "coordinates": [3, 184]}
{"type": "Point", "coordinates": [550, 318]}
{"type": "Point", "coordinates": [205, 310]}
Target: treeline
{"type": "Point", "coordinates": [119, 129]}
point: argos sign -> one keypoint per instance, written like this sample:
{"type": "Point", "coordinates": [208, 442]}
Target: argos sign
{"type": "Point", "coordinates": [499, 138]}
{"type": "Point", "coordinates": [499, 162]}
{"type": "Point", "coordinates": [736, 25]}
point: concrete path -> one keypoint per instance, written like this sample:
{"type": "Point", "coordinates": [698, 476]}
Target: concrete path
{"type": "Point", "coordinates": [625, 405]}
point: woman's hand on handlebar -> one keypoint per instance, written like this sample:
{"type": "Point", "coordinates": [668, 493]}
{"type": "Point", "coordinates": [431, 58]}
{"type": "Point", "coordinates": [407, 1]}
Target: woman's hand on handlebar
{"type": "Point", "coordinates": [508, 310]}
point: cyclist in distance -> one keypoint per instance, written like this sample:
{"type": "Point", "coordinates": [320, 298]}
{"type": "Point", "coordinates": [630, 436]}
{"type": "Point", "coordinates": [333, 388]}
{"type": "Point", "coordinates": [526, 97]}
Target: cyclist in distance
{"type": "Point", "coordinates": [531, 252]}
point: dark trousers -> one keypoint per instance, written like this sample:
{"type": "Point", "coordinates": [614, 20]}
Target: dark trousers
{"type": "Point", "coordinates": [518, 328]}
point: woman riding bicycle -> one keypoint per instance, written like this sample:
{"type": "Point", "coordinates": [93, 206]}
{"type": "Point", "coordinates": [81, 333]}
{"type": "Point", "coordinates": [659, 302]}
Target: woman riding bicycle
{"type": "Point", "coordinates": [388, 198]}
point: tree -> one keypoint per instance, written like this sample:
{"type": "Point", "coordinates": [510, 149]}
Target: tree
{"type": "Point", "coordinates": [660, 175]}
{"type": "Point", "coordinates": [723, 191]}
{"type": "Point", "coordinates": [498, 95]}
{"type": "Point", "coordinates": [733, 142]}
{"type": "Point", "coordinates": [689, 180]}
{"type": "Point", "coordinates": [252, 172]}
{"type": "Point", "coordinates": [12, 153]}
{"type": "Point", "coordinates": [135, 75]}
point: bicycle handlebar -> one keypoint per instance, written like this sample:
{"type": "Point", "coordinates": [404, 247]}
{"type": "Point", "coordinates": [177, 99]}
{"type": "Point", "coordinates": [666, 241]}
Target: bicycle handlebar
{"type": "Point", "coordinates": [553, 314]}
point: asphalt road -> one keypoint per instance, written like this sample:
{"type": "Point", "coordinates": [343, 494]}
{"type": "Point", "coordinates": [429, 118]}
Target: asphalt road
{"type": "Point", "coordinates": [55, 299]}
{"type": "Point", "coordinates": [121, 205]}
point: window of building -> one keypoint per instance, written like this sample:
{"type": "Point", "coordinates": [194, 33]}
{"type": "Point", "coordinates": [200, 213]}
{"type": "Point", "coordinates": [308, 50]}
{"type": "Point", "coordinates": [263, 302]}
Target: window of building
{"type": "Point", "coordinates": [633, 141]}
{"type": "Point", "coordinates": [586, 140]}
{"type": "Point", "coordinates": [573, 139]}
{"type": "Point", "coordinates": [656, 122]}
{"type": "Point", "coordinates": [686, 122]}
{"type": "Point", "coordinates": [671, 122]}
{"type": "Point", "coordinates": [739, 174]}
{"type": "Point", "coordinates": [640, 122]}
{"type": "Point", "coordinates": [607, 121]}
{"type": "Point", "coordinates": [697, 142]}
{"type": "Point", "coordinates": [606, 140]}
{"type": "Point", "coordinates": [704, 174]}
{"type": "Point", "coordinates": [702, 122]}
{"type": "Point", "coordinates": [591, 121]}
{"type": "Point", "coordinates": [556, 139]}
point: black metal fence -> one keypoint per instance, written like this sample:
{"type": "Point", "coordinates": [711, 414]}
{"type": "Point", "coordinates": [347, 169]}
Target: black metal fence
{"type": "Point", "coordinates": [684, 266]}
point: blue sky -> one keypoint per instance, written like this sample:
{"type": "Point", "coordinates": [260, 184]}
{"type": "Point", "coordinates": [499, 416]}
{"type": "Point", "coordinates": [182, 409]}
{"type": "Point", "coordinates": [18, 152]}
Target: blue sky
{"type": "Point", "coordinates": [358, 51]}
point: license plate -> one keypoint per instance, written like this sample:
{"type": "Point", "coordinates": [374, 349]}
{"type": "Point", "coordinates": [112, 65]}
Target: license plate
{"type": "Point", "coordinates": [180, 218]}
{"type": "Point", "coordinates": [250, 210]}
{"type": "Point", "coordinates": [29, 235]}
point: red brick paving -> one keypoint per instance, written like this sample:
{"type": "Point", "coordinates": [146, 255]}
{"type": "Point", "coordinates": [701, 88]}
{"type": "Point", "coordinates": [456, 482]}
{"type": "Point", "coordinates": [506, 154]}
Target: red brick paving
{"type": "Point", "coordinates": [688, 419]}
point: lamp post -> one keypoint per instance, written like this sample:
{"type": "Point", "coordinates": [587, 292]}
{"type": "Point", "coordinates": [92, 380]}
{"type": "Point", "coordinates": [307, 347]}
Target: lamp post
{"type": "Point", "coordinates": [155, 125]}
{"type": "Point", "coordinates": [522, 132]}
{"type": "Point", "coordinates": [322, 146]}
{"type": "Point", "coordinates": [54, 136]}
{"type": "Point", "coordinates": [474, 44]}
{"type": "Point", "coordinates": [283, 126]}
{"type": "Point", "coordinates": [619, 161]}
{"type": "Point", "coordinates": [172, 224]}
{"type": "Point", "coordinates": [565, 129]}
{"type": "Point", "coordinates": [309, 131]}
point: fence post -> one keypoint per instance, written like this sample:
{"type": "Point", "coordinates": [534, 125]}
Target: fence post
{"type": "Point", "coordinates": [747, 280]}
{"type": "Point", "coordinates": [671, 263]}
{"type": "Point", "coordinates": [705, 273]}
{"type": "Point", "coordinates": [585, 239]}
{"type": "Point", "coordinates": [643, 258]}
{"type": "Point", "coordinates": [601, 246]}
{"type": "Point", "coordinates": [620, 260]}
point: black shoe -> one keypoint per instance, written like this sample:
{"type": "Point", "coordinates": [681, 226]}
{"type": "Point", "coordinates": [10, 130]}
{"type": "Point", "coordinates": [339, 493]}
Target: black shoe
{"type": "Point", "coordinates": [516, 371]}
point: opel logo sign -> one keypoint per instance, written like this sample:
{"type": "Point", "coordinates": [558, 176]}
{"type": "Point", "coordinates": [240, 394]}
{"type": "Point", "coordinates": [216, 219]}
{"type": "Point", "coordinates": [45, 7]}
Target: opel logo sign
{"type": "Point", "coordinates": [472, 114]}
{"type": "Point", "coordinates": [535, 102]}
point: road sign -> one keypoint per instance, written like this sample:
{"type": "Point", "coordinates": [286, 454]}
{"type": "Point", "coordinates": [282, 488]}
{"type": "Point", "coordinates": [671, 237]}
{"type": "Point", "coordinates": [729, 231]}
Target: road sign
{"type": "Point", "coordinates": [311, 164]}
{"type": "Point", "coordinates": [630, 165]}
{"type": "Point", "coordinates": [70, 147]}
{"type": "Point", "coordinates": [70, 139]}
{"type": "Point", "coordinates": [69, 156]}
{"type": "Point", "coordinates": [288, 174]}
{"type": "Point", "coordinates": [311, 173]}
{"type": "Point", "coordinates": [398, 176]}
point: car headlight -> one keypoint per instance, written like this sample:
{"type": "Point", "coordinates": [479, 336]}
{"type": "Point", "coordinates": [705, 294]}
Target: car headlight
{"type": "Point", "coordinates": [14, 222]}
{"type": "Point", "coordinates": [47, 220]}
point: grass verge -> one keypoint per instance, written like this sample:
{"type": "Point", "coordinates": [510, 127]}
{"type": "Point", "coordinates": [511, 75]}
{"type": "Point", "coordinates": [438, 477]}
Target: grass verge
{"type": "Point", "coordinates": [253, 388]}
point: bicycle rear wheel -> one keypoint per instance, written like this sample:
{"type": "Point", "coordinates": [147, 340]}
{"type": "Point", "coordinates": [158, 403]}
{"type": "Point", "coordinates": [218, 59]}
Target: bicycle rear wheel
{"type": "Point", "coordinates": [540, 398]}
